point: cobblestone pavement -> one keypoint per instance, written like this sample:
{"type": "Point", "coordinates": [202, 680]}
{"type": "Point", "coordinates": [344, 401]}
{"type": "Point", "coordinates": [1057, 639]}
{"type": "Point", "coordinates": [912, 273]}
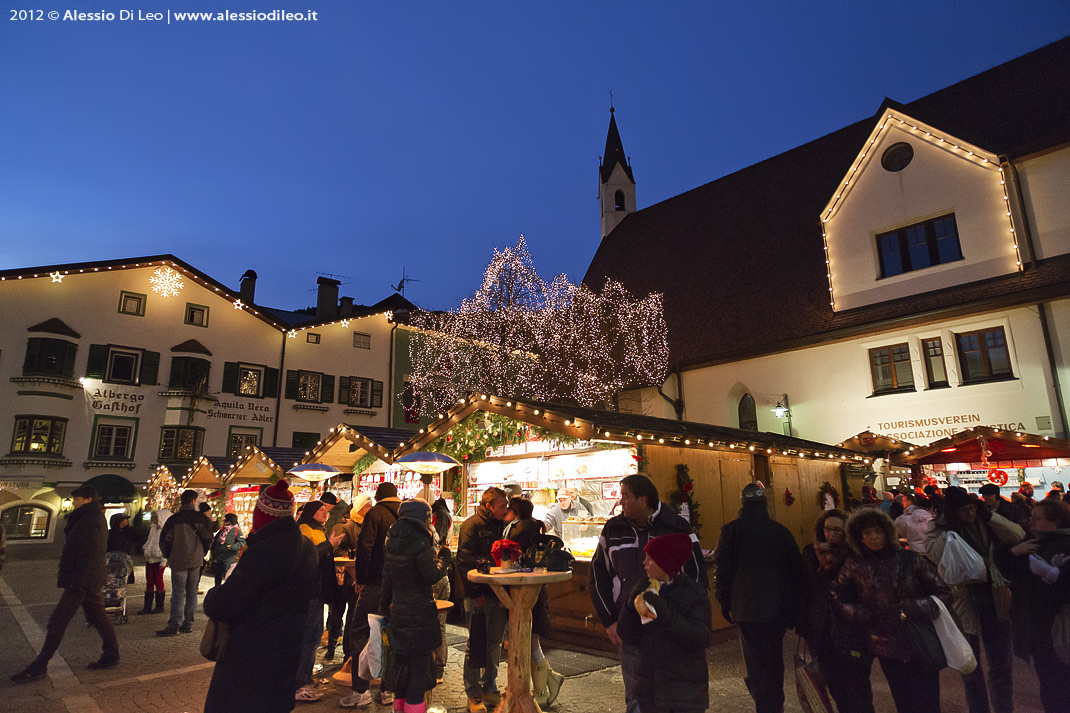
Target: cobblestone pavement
{"type": "Point", "coordinates": [167, 675]}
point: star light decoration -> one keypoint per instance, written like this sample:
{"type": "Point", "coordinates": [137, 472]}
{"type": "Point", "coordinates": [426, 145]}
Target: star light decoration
{"type": "Point", "coordinates": [522, 336]}
{"type": "Point", "coordinates": [56, 276]}
{"type": "Point", "coordinates": [166, 282]}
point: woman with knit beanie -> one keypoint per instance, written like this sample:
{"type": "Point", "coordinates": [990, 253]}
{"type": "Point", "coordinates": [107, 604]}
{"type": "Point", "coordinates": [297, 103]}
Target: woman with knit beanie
{"type": "Point", "coordinates": [668, 618]}
{"type": "Point", "coordinates": [411, 568]}
{"type": "Point", "coordinates": [311, 522]}
{"type": "Point", "coordinates": [264, 603]}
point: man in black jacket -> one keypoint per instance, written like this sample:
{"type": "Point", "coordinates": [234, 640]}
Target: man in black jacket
{"type": "Point", "coordinates": [617, 565]}
{"type": "Point", "coordinates": [760, 583]}
{"type": "Point", "coordinates": [484, 614]}
{"type": "Point", "coordinates": [368, 566]}
{"type": "Point", "coordinates": [81, 576]}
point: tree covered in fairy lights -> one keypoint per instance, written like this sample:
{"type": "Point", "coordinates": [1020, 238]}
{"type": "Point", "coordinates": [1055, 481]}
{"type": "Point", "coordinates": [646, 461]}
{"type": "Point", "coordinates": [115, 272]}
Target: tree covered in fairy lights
{"type": "Point", "coordinates": [553, 341]}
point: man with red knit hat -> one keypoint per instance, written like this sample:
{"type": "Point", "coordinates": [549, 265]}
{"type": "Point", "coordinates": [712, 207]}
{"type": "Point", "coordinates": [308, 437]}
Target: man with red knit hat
{"type": "Point", "coordinates": [668, 619]}
{"type": "Point", "coordinates": [265, 603]}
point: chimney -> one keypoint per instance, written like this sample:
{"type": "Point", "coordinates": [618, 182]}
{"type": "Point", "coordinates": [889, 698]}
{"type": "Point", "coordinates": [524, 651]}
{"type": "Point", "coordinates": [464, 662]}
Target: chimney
{"type": "Point", "coordinates": [248, 286]}
{"type": "Point", "coordinates": [327, 299]}
{"type": "Point", "coordinates": [345, 306]}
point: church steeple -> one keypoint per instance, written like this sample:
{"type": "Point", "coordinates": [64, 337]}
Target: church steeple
{"type": "Point", "coordinates": [616, 185]}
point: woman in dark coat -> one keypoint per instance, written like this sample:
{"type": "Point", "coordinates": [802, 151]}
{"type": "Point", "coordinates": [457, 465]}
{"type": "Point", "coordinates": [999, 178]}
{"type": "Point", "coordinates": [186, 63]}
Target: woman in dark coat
{"type": "Point", "coordinates": [226, 546]}
{"type": "Point", "coordinates": [879, 587]}
{"type": "Point", "coordinates": [1036, 601]}
{"type": "Point", "coordinates": [265, 603]}
{"type": "Point", "coordinates": [410, 569]}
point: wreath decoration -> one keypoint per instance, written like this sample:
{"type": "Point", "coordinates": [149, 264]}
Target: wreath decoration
{"type": "Point", "coordinates": [789, 499]}
{"type": "Point", "coordinates": [827, 490]}
{"type": "Point", "coordinates": [999, 477]}
{"type": "Point", "coordinates": [684, 496]}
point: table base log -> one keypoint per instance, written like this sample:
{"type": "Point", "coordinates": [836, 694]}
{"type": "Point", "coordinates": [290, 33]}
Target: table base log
{"type": "Point", "coordinates": [518, 600]}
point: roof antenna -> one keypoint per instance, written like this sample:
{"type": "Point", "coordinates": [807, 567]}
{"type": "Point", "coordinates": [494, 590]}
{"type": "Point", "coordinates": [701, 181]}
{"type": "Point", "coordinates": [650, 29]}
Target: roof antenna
{"type": "Point", "coordinates": [400, 287]}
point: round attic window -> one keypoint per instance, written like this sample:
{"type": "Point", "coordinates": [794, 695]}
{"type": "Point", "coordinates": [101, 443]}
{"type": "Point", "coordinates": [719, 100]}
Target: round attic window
{"type": "Point", "coordinates": [897, 157]}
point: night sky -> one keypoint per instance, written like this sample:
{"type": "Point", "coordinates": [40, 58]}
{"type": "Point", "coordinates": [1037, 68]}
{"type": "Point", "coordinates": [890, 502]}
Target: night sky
{"type": "Point", "coordinates": [420, 135]}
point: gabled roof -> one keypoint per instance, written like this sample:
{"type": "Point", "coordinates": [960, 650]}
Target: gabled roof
{"type": "Point", "coordinates": [346, 444]}
{"type": "Point", "coordinates": [740, 260]}
{"type": "Point", "coordinates": [1003, 446]}
{"type": "Point", "coordinates": [614, 153]}
{"type": "Point", "coordinates": [54, 326]}
{"type": "Point", "coordinates": [192, 346]}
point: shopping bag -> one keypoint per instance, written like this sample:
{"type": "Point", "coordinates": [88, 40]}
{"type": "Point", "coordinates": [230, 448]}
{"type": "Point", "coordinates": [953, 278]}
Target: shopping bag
{"type": "Point", "coordinates": [214, 640]}
{"type": "Point", "coordinates": [370, 661]}
{"type": "Point", "coordinates": [960, 563]}
{"type": "Point", "coordinates": [957, 650]}
{"type": "Point", "coordinates": [813, 695]}
{"type": "Point", "coordinates": [1060, 634]}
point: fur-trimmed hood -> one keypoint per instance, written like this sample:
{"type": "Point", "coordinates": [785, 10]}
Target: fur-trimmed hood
{"type": "Point", "coordinates": [866, 517]}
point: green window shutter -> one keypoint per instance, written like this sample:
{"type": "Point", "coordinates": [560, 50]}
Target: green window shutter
{"type": "Point", "coordinates": [179, 366]}
{"type": "Point", "coordinates": [292, 382]}
{"type": "Point", "coordinates": [33, 354]}
{"type": "Point", "coordinates": [98, 362]}
{"type": "Point", "coordinates": [230, 377]}
{"type": "Point", "coordinates": [327, 389]}
{"type": "Point", "coordinates": [343, 390]}
{"type": "Point", "coordinates": [199, 369]}
{"type": "Point", "coordinates": [271, 382]}
{"type": "Point", "coordinates": [150, 368]}
{"type": "Point", "coordinates": [69, 352]}
{"type": "Point", "coordinates": [377, 394]}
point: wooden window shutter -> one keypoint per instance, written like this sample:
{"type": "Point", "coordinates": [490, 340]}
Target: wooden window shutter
{"type": "Point", "coordinates": [377, 394]}
{"type": "Point", "coordinates": [33, 353]}
{"type": "Point", "coordinates": [179, 367]}
{"type": "Point", "coordinates": [327, 389]}
{"type": "Point", "coordinates": [343, 390]}
{"type": "Point", "coordinates": [69, 352]}
{"type": "Point", "coordinates": [150, 368]}
{"type": "Point", "coordinates": [98, 361]}
{"type": "Point", "coordinates": [292, 382]}
{"type": "Point", "coordinates": [230, 377]}
{"type": "Point", "coordinates": [271, 382]}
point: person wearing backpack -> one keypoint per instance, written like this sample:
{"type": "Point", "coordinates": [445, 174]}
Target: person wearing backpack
{"type": "Point", "coordinates": [983, 608]}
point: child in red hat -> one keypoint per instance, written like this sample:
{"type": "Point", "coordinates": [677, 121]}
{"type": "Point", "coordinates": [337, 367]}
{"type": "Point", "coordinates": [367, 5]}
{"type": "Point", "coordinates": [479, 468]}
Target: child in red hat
{"type": "Point", "coordinates": [669, 619]}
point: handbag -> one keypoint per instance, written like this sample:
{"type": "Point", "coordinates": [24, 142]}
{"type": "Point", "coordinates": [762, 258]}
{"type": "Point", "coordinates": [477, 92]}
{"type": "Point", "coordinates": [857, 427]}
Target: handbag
{"type": "Point", "coordinates": [811, 689]}
{"type": "Point", "coordinates": [960, 563]}
{"type": "Point", "coordinates": [214, 640]}
{"type": "Point", "coordinates": [924, 642]}
{"type": "Point", "coordinates": [1060, 634]}
{"type": "Point", "coordinates": [957, 650]}
{"type": "Point", "coordinates": [549, 552]}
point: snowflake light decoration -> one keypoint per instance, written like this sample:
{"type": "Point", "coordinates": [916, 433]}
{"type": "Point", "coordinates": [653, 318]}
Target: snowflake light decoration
{"type": "Point", "coordinates": [166, 282]}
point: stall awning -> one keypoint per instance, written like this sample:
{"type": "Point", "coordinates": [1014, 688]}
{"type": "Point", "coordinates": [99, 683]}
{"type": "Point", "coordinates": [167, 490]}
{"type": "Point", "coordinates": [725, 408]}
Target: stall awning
{"type": "Point", "coordinates": [876, 444]}
{"type": "Point", "coordinates": [113, 488]}
{"type": "Point", "coordinates": [1007, 448]}
{"type": "Point", "coordinates": [633, 429]}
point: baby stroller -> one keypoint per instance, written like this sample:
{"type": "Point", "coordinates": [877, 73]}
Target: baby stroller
{"type": "Point", "coordinates": [119, 566]}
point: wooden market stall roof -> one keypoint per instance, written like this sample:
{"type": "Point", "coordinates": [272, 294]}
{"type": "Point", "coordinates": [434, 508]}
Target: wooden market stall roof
{"type": "Point", "coordinates": [1013, 448]}
{"type": "Point", "coordinates": [876, 444]}
{"type": "Point", "coordinates": [260, 466]}
{"type": "Point", "coordinates": [634, 429]}
{"type": "Point", "coordinates": [206, 473]}
{"type": "Point", "coordinates": [346, 444]}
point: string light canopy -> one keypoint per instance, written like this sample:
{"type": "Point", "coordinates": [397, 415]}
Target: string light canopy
{"type": "Point", "coordinates": [894, 120]}
{"type": "Point", "coordinates": [519, 334]}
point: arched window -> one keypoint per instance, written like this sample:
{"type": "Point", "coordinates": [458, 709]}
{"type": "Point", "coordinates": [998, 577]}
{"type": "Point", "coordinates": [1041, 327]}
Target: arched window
{"type": "Point", "coordinates": [748, 415]}
{"type": "Point", "coordinates": [618, 199]}
{"type": "Point", "coordinates": [26, 522]}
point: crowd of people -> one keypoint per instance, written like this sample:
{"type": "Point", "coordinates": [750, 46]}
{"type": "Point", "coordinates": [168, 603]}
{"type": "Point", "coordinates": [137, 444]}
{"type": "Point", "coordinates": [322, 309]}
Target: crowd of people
{"type": "Point", "coordinates": [854, 595]}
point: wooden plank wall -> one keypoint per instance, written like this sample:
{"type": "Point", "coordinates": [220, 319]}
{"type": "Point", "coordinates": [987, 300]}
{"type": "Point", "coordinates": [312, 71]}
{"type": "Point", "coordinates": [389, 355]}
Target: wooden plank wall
{"type": "Point", "coordinates": [804, 478]}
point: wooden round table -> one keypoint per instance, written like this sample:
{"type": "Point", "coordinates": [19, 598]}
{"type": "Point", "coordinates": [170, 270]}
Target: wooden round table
{"type": "Point", "coordinates": [517, 591]}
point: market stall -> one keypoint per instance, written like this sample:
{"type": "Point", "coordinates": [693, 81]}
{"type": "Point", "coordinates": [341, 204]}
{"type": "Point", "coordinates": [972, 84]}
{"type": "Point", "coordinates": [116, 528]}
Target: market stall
{"type": "Point", "coordinates": [206, 477]}
{"type": "Point", "coordinates": [981, 454]}
{"type": "Point", "coordinates": [257, 468]}
{"type": "Point", "coordinates": [163, 491]}
{"type": "Point", "coordinates": [699, 469]}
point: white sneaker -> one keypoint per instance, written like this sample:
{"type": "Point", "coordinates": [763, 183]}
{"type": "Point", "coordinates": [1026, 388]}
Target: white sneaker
{"type": "Point", "coordinates": [357, 700]}
{"type": "Point", "coordinates": [385, 697]}
{"type": "Point", "coordinates": [307, 694]}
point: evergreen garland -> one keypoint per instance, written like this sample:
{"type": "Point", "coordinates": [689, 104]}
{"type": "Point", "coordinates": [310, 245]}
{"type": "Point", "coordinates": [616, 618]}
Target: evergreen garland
{"type": "Point", "coordinates": [470, 439]}
{"type": "Point", "coordinates": [364, 463]}
{"type": "Point", "coordinates": [684, 495]}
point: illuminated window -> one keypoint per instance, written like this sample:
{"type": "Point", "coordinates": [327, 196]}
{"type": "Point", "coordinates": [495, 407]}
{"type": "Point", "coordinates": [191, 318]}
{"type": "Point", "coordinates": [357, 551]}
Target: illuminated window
{"type": "Point", "coordinates": [249, 380]}
{"type": "Point", "coordinates": [935, 369]}
{"type": "Point", "coordinates": [891, 369]}
{"type": "Point", "coordinates": [26, 522]}
{"type": "Point", "coordinates": [983, 355]}
{"type": "Point", "coordinates": [917, 246]}
{"type": "Point", "coordinates": [181, 443]}
{"type": "Point", "coordinates": [240, 439]}
{"type": "Point", "coordinates": [310, 387]}
{"type": "Point", "coordinates": [38, 435]}
{"type": "Point", "coordinates": [252, 380]}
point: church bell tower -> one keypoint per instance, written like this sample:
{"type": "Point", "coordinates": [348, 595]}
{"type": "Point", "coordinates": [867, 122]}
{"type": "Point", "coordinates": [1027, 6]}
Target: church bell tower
{"type": "Point", "coordinates": [616, 186]}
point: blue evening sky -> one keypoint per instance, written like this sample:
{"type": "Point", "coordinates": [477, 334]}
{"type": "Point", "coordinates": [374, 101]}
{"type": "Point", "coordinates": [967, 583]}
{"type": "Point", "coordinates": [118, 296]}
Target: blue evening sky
{"type": "Point", "coordinates": [422, 134]}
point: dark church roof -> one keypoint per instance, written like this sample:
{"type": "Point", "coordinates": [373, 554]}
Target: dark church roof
{"type": "Point", "coordinates": [740, 260]}
{"type": "Point", "coordinates": [614, 153]}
